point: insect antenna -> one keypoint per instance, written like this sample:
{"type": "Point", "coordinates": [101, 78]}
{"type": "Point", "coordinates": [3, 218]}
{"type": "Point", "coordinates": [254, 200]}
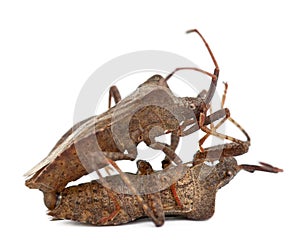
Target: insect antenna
{"type": "Point", "coordinates": [214, 76]}
{"type": "Point", "coordinates": [262, 167]}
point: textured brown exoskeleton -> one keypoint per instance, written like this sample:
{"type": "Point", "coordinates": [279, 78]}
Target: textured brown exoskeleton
{"type": "Point", "coordinates": [94, 204]}
{"type": "Point", "coordinates": [96, 141]}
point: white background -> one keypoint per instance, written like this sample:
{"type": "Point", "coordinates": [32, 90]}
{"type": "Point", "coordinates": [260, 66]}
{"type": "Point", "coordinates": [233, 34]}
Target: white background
{"type": "Point", "coordinates": [47, 52]}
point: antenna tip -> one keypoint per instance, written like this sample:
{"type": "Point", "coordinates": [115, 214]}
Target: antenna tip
{"type": "Point", "coordinates": [189, 31]}
{"type": "Point", "coordinates": [271, 167]}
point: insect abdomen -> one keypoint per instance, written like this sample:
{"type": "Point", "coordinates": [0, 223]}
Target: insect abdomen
{"type": "Point", "coordinates": [92, 203]}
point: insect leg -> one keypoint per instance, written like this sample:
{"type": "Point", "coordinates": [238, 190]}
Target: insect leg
{"type": "Point", "coordinates": [117, 156]}
{"type": "Point", "coordinates": [214, 133]}
{"type": "Point", "coordinates": [214, 128]}
{"type": "Point", "coordinates": [114, 93]}
{"type": "Point", "coordinates": [215, 116]}
{"type": "Point", "coordinates": [165, 164]}
{"type": "Point", "coordinates": [211, 125]}
{"type": "Point", "coordinates": [175, 195]}
{"type": "Point", "coordinates": [220, 151]}
{"type": "Point", "coordinates": [167, 161]}
{"type": "Point", "coordinates": [236, 148]}
{"type": "Point", "coordinates": [170, 155]}
{"type": "Point", "coordinates": [120, 156]}
{"type": "Point", "coordinates": [182, 132]}
{"type": "Point", "coordinates": [208, 120]}
{"type": "Point", "coordinates": [224, 94]}
{"type": "Point", "coordinates": [153, 199]}
{"type": "Point", "coordinates": [227, 115]}
{"type": "Point", "coordinates": [109, 170]}
{"type": "Point", "coordinates": [167, 150]}
{"type": "Point", "coordinates": [133, 191]}
{"type": "Point", "coordinates": [174, 143]}
{"type": "Point", "coordinates": [111, 217]}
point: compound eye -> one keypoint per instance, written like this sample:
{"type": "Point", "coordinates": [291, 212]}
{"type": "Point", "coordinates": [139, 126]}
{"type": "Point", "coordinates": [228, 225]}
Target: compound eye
{"type": "Point", "coordinates": [192, 106]}
{"type": "Point", "coordinates": [229, 174]}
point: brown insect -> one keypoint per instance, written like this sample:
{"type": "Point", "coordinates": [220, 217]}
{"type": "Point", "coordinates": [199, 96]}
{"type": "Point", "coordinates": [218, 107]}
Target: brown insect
{"type": "Point", "coordinates": [94, 204]}
{"type": "Point", "coordinates": [64, 163]}
{"type": "Point", "coordinates": [196, 191]}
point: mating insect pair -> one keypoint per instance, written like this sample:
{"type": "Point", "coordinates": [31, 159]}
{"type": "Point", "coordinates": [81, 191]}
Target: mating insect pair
{"type": "Point", "coordinates": [152, 110]}
{"type": "Point", "coordinates": [192, 197]}
{"type": "Point", "coordinates": [101, 204]}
